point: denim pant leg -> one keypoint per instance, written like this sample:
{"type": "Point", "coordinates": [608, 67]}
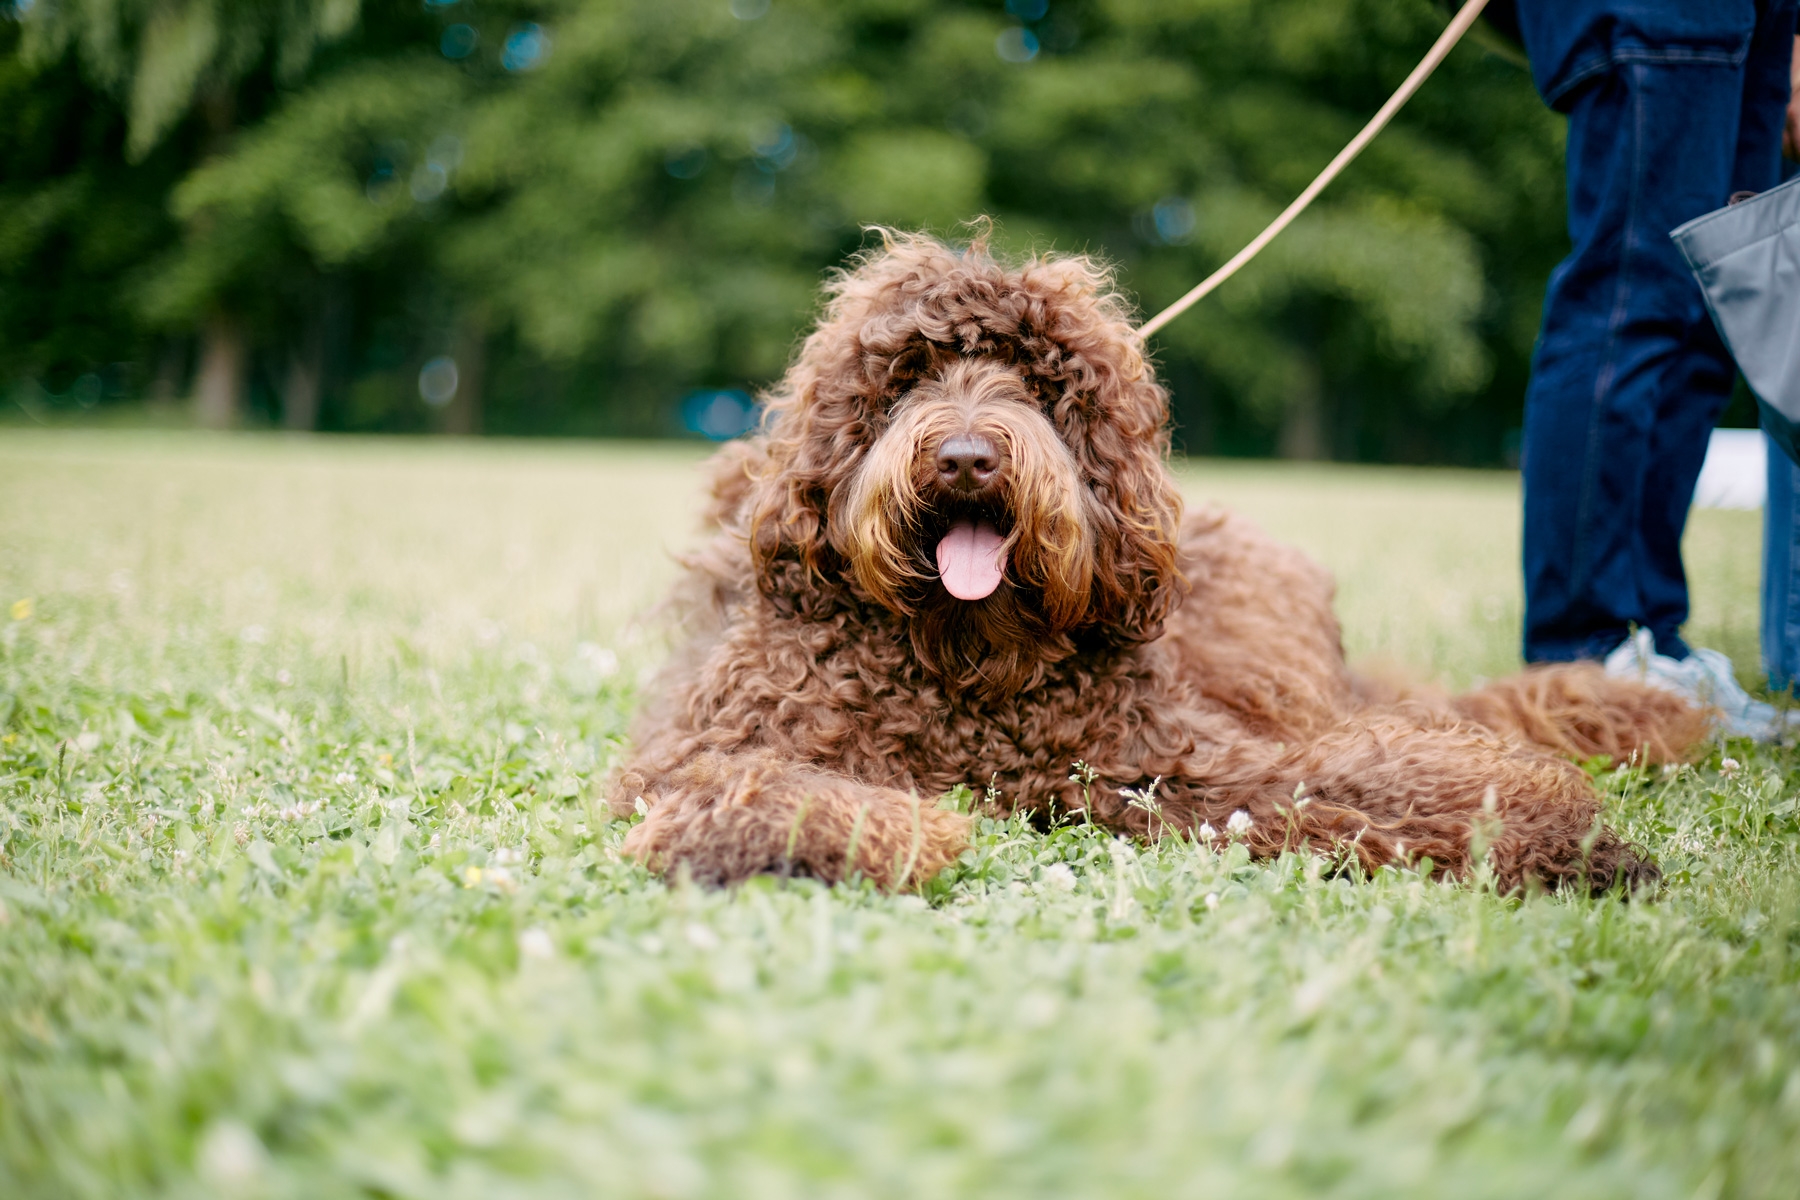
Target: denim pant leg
{"type": "Point", "coordinates": [1626, 383]}
{"type": "Point", "coordinates": [1757, 168]}
{"type": "Point", "coordinates": [1781, 559]}
{"type": "Point", "coordinates": [1781, 571]}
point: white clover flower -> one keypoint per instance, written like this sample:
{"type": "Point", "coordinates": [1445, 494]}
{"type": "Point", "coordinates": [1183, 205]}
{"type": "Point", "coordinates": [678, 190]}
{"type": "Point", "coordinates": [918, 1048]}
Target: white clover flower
{"type": "Point", "coordinates": [600, 660]}
{"type": "Point", "coordinates": [536, 943]}
{"type": "Point", "coordinates": [1729, 767]}
{"type": "Point", "coordinates": [1212, 900]}
{"type": "Point", "coordinates": [508, 856]}
{"type": "Point", "coordinates": [700, 937]}
{"type": "Point", "coordinates": [344, 778]}
{"type": "Point", "coordinates": [1207, 831]}
{"type": "Point", "coordinates": [231, 1158]}
{"type": "Point", "coordinates": [1239, 824]}
{"type": "Point", "coordinates": [1059, 876]}
{"type": "Point", "coordinates": [1311, 996]}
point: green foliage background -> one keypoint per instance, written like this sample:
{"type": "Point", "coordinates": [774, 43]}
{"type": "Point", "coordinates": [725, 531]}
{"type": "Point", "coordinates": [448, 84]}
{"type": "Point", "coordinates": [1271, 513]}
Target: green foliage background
{"type": "Point", "coordinates": [642, 202]}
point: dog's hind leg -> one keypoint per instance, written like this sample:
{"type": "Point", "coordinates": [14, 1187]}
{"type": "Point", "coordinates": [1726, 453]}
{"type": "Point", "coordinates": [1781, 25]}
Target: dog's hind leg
{"type": "Point", "coordinates": [721, 818]}
{"type": "Point", "coordinates": [1393, 787]}
{"type": "Point", "coordinates": [1577, 709]}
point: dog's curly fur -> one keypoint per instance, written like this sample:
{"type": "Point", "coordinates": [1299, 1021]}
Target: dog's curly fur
{"type": "Point", "coordinates": [831, 687]}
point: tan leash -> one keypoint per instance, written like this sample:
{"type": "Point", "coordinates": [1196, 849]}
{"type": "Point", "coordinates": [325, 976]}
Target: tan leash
{"type": "Point", "coordinates": [1451, 35]}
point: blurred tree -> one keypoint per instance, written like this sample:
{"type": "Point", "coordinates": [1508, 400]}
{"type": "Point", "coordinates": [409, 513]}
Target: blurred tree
{"type": "Point", "coordinates": [75, 222]}
{"type": "Point", "coordinates": [1174, 132]}
{"type": "Point", "coordinates": [587, 208]}
{"type": "Point", "coordinates": [173, 60]}
{"type": "Point", "coordinates": [691, 167]}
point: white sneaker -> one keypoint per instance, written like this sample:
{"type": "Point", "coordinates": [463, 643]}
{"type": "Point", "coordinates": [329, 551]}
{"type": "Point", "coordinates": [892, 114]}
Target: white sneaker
{"type": "Point", "coordinates": [1704, 677]}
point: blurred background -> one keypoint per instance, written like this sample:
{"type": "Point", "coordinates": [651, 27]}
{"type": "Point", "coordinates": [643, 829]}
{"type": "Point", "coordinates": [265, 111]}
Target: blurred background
{"type": "Point", "coordinates": [610, 217]}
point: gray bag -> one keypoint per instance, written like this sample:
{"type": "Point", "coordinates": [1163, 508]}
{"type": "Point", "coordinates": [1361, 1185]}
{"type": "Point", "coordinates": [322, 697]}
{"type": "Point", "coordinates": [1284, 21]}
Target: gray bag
{"type": "Point", "coordinates": [1747, 259]}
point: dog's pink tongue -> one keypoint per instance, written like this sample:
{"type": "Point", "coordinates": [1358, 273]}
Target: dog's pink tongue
{"type": "Point", "coordinates": [971, 558]}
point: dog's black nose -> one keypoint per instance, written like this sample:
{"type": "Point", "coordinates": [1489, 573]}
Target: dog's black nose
{"type": "Point", "coordinates": [967, 462]}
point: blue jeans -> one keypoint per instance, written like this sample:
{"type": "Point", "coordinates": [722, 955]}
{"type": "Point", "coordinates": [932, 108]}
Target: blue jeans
{"type": "Point", "coordinates": [1781, 560]}
{"type": "Point", "coordinates": [1781, 572]}
{"type": "Point", "coordinates": [1629, 374]}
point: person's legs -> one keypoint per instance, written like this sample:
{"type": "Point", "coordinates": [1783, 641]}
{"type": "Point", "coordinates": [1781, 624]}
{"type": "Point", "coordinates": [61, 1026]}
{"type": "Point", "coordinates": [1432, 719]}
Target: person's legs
{"type": "Point", "coordinates": [1623, 393]}
{"type": "Point", "coordinates": [1699, 385]}
{"type": "Point", "coordinates": [1699, 379]}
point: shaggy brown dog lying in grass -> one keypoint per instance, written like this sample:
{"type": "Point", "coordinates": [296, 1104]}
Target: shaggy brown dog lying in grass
{"type": "Point", "coordinates": [955, 555]}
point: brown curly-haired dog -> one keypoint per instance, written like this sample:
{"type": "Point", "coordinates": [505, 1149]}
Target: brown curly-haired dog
{"type": "Point", "coordinates": [955, 554]}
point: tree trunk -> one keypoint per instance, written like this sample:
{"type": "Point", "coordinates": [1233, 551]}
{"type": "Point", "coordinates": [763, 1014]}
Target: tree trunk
{"type": "Point", "coordinates": [171, 366]}
{"type": "Point", "coordinates": [224, 359]}
{"type": "Point", "coordinates": [463, 414]}
{"type": "Point", "coordinates": [1303, 424]}
{"type": "Point", "coordinates": [305, 373]}
{"type": "Point", "coordinates": [220, 382]}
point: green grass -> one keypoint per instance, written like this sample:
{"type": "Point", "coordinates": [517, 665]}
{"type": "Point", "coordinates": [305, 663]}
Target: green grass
{"type": "Point", "coordinates": [305, 889]}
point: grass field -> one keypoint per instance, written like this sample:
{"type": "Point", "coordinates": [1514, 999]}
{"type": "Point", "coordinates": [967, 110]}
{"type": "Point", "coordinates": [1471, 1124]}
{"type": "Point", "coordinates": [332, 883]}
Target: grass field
{"type": "Point", "coordinates": [306, 890]}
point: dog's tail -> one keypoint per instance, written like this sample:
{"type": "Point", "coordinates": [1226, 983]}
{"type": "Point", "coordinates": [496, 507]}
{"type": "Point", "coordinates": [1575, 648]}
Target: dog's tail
{"type": "Point", "coordinates": [1578, 710]}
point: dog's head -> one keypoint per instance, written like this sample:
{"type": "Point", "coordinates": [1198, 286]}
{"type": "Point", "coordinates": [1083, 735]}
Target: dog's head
{"type": "Point", "coordinates": [980, 450]}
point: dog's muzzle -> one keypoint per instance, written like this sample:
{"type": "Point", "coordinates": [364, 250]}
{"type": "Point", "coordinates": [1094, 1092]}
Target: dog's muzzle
{"type": "Point", "coordinates": [971, 556]}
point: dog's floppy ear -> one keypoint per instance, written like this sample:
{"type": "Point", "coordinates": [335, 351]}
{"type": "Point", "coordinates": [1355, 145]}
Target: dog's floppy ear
{"type": "Point", "coordinates": [1113, 416]}
{"type": "Point", "coordinates": [1138, 514]}
{"type": "Point", "coordinates": [821, 418]}
{"type": "Point", "coordinates": [806, 453]}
